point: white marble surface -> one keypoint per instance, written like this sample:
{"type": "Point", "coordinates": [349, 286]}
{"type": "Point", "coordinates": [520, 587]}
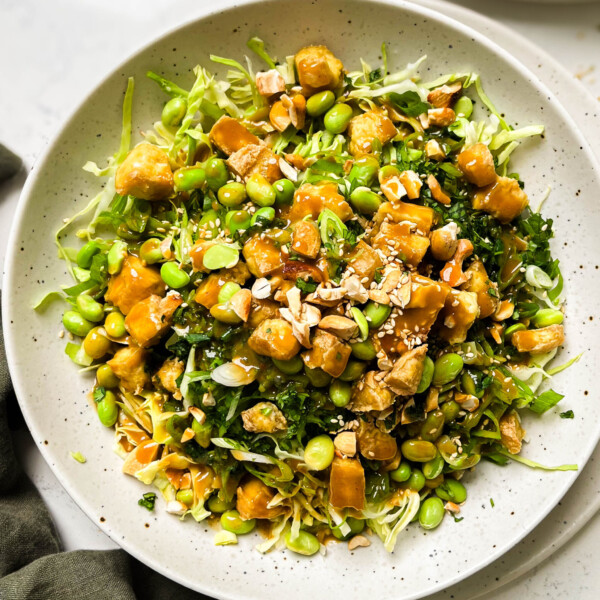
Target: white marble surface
{"type": "Point", "coordinates": [53, 51]}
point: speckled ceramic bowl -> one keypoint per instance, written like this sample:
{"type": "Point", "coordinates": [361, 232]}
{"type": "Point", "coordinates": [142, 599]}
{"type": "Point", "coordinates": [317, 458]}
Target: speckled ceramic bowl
{"type": "Point", "coordinates": [53, 394]}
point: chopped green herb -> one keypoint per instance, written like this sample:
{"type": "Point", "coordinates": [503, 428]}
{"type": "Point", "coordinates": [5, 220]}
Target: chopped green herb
{"type": "Point", "coordinates": [148, 500]}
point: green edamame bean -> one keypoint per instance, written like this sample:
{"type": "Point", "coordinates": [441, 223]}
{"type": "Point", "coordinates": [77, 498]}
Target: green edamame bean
{"type": "Point", "coordinates": [364, 350]}
{"type": "Point", "coordinates": [305, 543]}
{"type": "Point", "coordinates": [447, 368]}
{"type": "Point", "coordinates": [291, 366]}
{"type": "Point", "coordinates": [216, 505]}
{"type": "Point", "coordinates": [353, 371]}
{"type": "Point", "coordinates": [76, 324]}
{"type": "Point", "coordinates": [86, 254]}
{"type": "Point", "coordinates": [202, 433]}
{"type": "Point", "coordinates": [232, 194]}
{"type": "Point", "coordinates": [263, 215]}
{"type": "Point", "coordinates": [106, 377]}
{"type": "Point", "coordinates": [216, 173]}
{"type": "Point", "coordinates": [89, 308]}
{"type": "Point", "coordinates": [173, 276]}
{"type": "Point", "coordinates": [185, 497]}
{"type": "Point", "coordinates": [364, 171]}
{"type": "Point", "coordinates": [95, 344]}
{"type": "Point", "coordinates": [189, 178]}
{"type": "Point", "coordinates": [365, 201]}
{"type": "Point", "coordinates": [260, 191]}
{"type": "Point", "coordinates": [463, 107]}
{"type": "Point", "coordinates": [452, 491]}
{"type": "Point", "coordinates": [415, 482]}
{"type": "Point", "coordinates": [402, 473]}
{"type": "Point", "coordinates": [115, 325]}
{"type": "Point", "coordinates": [116, 256]}
{"type": "Point", "coordinates": [108, 411]}
{"type": "Point", "coordinates": [220, 256]}
{"type": "Point", "coordinates": [418, 450]}
{"type": "Point", "coordinates": [224, 312]}
{"type": "Point", "coordinates": [173, 112]}
{"type": "Point", "coordinates": [317, 377]}
{"type": "Point", "coordinates": [431, 513]}
{"type": "Point", "coordinates": [284, 192]}
{"type": "Point", "coordinates": [340, 392]}
{"type": "Point", "coordinates": [546, 317]}
{"type": "Point", "coordinates": [356, 526]}
{"type": "Point", "coordinates": [228, 290]}
{"type": "Point", "coordinates": [233, 522]}
{"type": "Point", "coordinates": [236, 220]}
{"type": "Point", "coordinates": [433, 426]}
{"type": "Point", "coordinates": [427, 375]}
{"type": "Point", "coordinates": [150, 251]}
{"type": "Point", "coordinates": [319, 452]}
{"type": "Point", "coordinates": [337, 118]}
{"type": "Point", "coordinates": [318, 104]}
{"type": "Point", "coordinates": [376, 314]}
{"type": "Point", "coordinates": [208, 224]}
{"type": "Point", "coordinates": [450, 410]}
{"type": "Point", "coordinates": [387, 172]}
{"type": "Point", "coordinates": [433, 468]}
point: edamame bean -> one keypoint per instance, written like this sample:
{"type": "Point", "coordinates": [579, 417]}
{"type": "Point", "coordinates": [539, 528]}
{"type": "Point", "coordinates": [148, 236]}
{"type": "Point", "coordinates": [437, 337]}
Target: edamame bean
{"type": "Point", "coordinates": [116, 256]}
{"type": "Point", "coordinates": [236, 220]}
{"type": "Point", "coordinates": [450, 410]}
{"type": "Point", "coordinates": [75, 323]}
{"type": "Point", "coordinates": [447, 368]}
{"type": "Point", "coordinates": [208, 224]}
{"type": "Point", "coordinates": [433, 426]}
{"type": "Point", "coordinates": [463, 107]}
{"type": "Point", "coordinates": [364, 171]}
{"type": "Point", "coordinates": [173, 112]}
{"type": "Point", "coordinates": [173, 276]}
{"type": "Point", "coordinates": [220, 256]}
{"type": "Point", "coordinates": [215, 170]}
{"type": "Point", "coordinates": [263, 216]}
{"type": "Point", "coordinates": [108, 411]}
{"type": "Point", "coordinates": [402, 473]}
{"type": "Point", "coordinates": [187, 179]}
{"type": "Point", "coordinates": [224, 312]}
{"type": "Point", "coordinates": [433, 468]}
{"type": "Point", "coordinates": [427, 375]}
{"type": "Point", "coordinates": [415, 482]}
{"type": "Point", "coordinates": [185, 497]}
{"type": "Point", "coordinates": [228, 290]}
{"type": "Point", "coordinates": [106, 377]}
{"type": "Point", "coordinates": [216, 505]}
{"type": "Point", "coordinates": [365, 201]}
{"type": "Point", "coordinates": [356, 526]}
{"type": "Point", "coordinates": [284, 192]}
{"type": "Point", "coordinates": [89, 308]}
{"type": "Point", "coordinates": [546, 317]}
{"type": "Point", "coordinates": [418, 450]}
{"type": "Point", "coordinates": [319, 452]}
{"type": "Point", "coordinates": [317, 377]}
{"type": "Point", "coordinates": [452, 490]}
{"type": "Point", "coordinates": [115, 325]}
{"type": "Point", "coordinates": [361, 321]}
{"type": "Point", "coordinates": [387, 172]}
{"type": "Point", "coordinates": [95, 344]}
{"type": "Point", "coordinates": [232, 521]}
{"type": "Point", "coordinates": [318, 104]}
{"type": "Point", "coordinates": [260, 191]}
{"type": "Point", "coordinates": [340, 392]}
{"type": "Point", "coordinates": [364, 350]}
{"type": "Point", "coordinates": [337, 118]}
{"type": "Point", "coordinates": [232, 194]}
{"type": "Point", "coordinates": [431, 484]}
{"type": "Point", "coordinates": [353, 371]}
{"type": "Point", "coordinates": [304, 543]}
{"type": "Point", "coordinates": [150, 251]}
{"type": "Point", "coordinates": [291, 366]}
{"type": "Point", "coordinates": [86, 254]}
{"type": "Point", "coordinates": [376, 314]}
{"type": "Point", "coordinates": [431, 513]}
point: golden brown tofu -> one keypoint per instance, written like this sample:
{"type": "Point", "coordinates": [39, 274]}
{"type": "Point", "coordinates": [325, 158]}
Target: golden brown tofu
{"type": "Point", "coordinates": [405, 376]}
{"type": "Point", "coordinates": [270, 82]}
{"type": "Point", "coordinates": [151, 318]}
{"type": "Point", "coordinates": [365, 128]}
{"type": "Point", "coordinates": [328, 352]}
{"type": "Point", "coordinates": [422, 216]}
{"type": "Point", "coordinates": [441, 117]}
{"type": "Point", "coordinates": [306, 239]}
{"type": "Point", "coordinates": [457, 316]}
{"type": "Point", "coordinates": [347, 483]}
{"type": "Point", "coordinates": [145, 173]}
{"type": "Point", "coordinates": [311, 199]}
{"type": "Point", "coordinates": [364, 260]}
{"type": "Point", "coordinates": [262, 310]}
{"type": "Point", "coordinates": [129, 366]}
{"type": "Point", "coordinates": [369, 394]}
{"type": "Point", "coordinates": [133, 283]}
{"type": "Point", "coordinates": [262, 256]}
{"type": "Point", "coordinates": [318, 69]}
{"type": "Point", "coordinates": [511, 432]}
{"type": "Point", "coordinates": [444, 96]}
{"type": "Point", "coordinates": [396, 240]}
{"type": "Point", "coordinates": [255, 158]}
{"type": "Point", "coordinates": [229, 135]}
{"type": "Point", "coordinates": [197, 252]}
{"type": "Point", "coordinates": [169, 373]}
{"type": "Point", "coordinates": [253, 498]}
{"type": "Point", "coordinates": [274, 338]}
{"type": "Point", "coordinates": [503, 199]}
{"type": "Point", "coordinates": [288, 111]}
{"type": "Point", "coordinates": [539, 341]}
{"type": "Point", "coordinates": [487, 291]}
{"type": "Point", "coordinates": [264, 417]}
{"type": "Point", "coordinates": [375, 444]}
{"type": "Point", "coordinates": [477, 165]}
{"type": "Point", "coordinates": [412, 184]}
{"type": "Point", "coordinates": [208, 291]}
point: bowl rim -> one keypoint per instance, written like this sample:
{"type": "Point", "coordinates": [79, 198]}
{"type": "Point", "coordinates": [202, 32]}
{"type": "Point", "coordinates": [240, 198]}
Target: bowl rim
{"type": "Point", "coordinates": [9, 328]}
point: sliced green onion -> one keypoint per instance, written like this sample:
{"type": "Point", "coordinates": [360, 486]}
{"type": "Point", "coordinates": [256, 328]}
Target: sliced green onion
{"type": "Point", "coordinates": [361, 321]}
{"type": "Point", "coordinates": [537, 278]}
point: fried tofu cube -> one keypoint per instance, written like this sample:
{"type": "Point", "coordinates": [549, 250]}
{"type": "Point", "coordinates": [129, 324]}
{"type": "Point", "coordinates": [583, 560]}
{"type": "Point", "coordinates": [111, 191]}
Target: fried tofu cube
{"type": "Point", "coordinates": [369, 394]}
{"type": "Point", "coordinates": [306, 239]}
{"type": "Point", "coordinates": [459, 313]}
{"type": "Point", "coordinates": [150, 319]}
{"type": "Point", "coordinates": [270, 82]}
{"type": "Point", "coordinates": [477, 165]}
{"type": "Point", "coordinates": [396, 239]}
{"type": "Point", "coordinates": [365, 128]}
{"type": "Point", "coordinates": [539, 341]}
{"type": "Point", "coordinates": [503, 199]}
{"type": "Point", "coordinates": [365, 261]}
{"type": "Point", "coordinates": [486, 290]}
{"type": "Point", "coordinates": [328, 352]}
{"type": "Point", "coordinates": [169, 373]}
{"type": "Point", "coordinates": [253, 499]}
{"type": "Point", "coordinates": [262, 310]}
{"type": "Point", "coordinates": [444, 96]}
{"type": "Point", "coordinates": [229, 135]}
{"type": "Point", "coordinates": [255, 158]}
{"type": "Point", "coordinates": [134, 283]}
{"type": "Point", "coordinates": [310, 200]}
{"type": "Point", "coordinates": [347, 483]}
{"type": "Point", "coordinates": [422, 216]}
{"type": "Point", "coordinates": [129, 365]}
{"type": "Point", "coordinates": [405, 376]}
{"type": "Point", "coordinates": [264, 417]}
{"type": "Point", "coordinates": [145, 173]}
{"type": "Point", "coordinates": [318, 69]}
{"type": "Point", "coordinates": [412, 184]}
{"type": "Point", "coordinates": [274, 338]}
{"type": "Point", "coordinates": [262, 256]}
{"type": "Point", "coordinates": [375, 444]}
{"type": "Point", "coordinates": [511, 432]}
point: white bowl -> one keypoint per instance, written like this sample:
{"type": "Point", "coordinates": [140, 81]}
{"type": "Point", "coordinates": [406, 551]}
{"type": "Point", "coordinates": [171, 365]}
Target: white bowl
{"type": "Point", "coordinates": [53, 395]}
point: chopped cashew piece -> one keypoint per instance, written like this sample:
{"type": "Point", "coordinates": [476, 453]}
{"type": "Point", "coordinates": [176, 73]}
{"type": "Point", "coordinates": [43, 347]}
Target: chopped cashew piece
{"type": "Point", "coordinates": [241, 302]}
{"type": "Point", "coordinates": [406, 374]}
{"type": "Point", "coordinates": [270, 82]}
{"type": "Point", "coordinates": [345, 442]}
{"type": "Point", "coordinates": [440, 117]}
{"type": "Point", "coordinates": [444, 241]}
{"type": "Point", "coordinates": [341, 326]}
{"type": "Point", "coordinates": [412, 184]}
{"type": "Point", "coordinates": [436, 190]}
{"type": "Point", "coordinates": [444, 96]}
{"type": "Point", "coordinates": [434, 151]}
{"type": "Point", "coordinates": [261, 288]}
{"type": "Point", "coordinates": [358, 541]}
{"type": "Point", "coordinates": [452, 273]}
